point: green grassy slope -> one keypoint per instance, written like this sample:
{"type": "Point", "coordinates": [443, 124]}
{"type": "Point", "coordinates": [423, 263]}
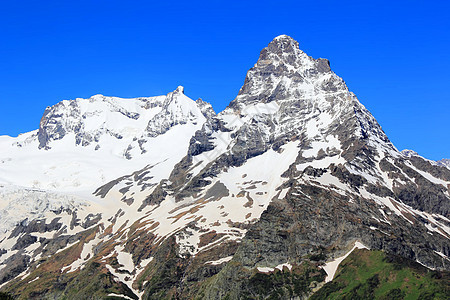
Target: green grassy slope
{"type": "Point", "coordinates": [375, 275]}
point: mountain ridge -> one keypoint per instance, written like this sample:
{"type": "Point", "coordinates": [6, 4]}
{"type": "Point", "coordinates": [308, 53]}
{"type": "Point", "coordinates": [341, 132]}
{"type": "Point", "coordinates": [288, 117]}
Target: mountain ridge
{"type": "Point", "coordinates": [294, 168]}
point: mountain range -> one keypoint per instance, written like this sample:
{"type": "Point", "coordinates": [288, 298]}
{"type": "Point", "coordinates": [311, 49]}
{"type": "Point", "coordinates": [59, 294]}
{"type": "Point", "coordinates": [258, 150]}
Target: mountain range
{"type": "Point", "coordinates": [293, 191]}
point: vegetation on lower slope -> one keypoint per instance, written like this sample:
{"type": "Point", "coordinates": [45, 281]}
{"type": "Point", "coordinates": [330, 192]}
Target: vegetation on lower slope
{"type": "Point", "coordinates": [244, 283]}
{"type": "Point", "coordinates": [283, 284]}
{"type": "Point", "coordinates": [4, 296]}
{"type": "Point", "coordinates": [47, 280]}
{"type": "Point", "coordinates": [376, 275]}
{"type": "Point", "coordinates": [363, 274]}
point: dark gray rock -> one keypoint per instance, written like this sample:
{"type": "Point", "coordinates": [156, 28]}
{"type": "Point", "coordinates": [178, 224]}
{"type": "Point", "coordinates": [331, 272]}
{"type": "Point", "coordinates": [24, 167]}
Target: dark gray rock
{"type": "Point", "coordinates": [15, 265]}
{"type": "Point", "coordinates": [24, 241]}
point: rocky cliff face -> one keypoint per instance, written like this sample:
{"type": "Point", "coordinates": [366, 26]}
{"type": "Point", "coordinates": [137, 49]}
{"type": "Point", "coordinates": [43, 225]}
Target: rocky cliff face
{"type": "Point", "coordinates": [289, 177]}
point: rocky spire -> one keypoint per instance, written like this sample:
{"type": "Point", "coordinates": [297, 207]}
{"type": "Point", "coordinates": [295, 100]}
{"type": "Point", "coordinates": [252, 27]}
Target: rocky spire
{"type": "Point", "coordinates": [282, 44]}
{"type": "Point", "coordinates": [294, 94]}
{"type": "Point", "coordinates": [284, 71]}
{"type": "Point", "coordinates": [179, 90]}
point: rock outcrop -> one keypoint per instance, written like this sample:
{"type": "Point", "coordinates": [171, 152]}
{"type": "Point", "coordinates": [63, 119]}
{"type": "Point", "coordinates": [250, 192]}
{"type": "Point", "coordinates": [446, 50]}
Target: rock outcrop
{"type": "Point", "coordinates": [289, 177]}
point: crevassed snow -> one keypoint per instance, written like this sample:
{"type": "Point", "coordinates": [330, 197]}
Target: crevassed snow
{"type": "Point", "coordinates": [30, 177]}
{"type": "Point", "coordinates": [68, 167]}
{"type": "Point", "coordinates": [18, 204]}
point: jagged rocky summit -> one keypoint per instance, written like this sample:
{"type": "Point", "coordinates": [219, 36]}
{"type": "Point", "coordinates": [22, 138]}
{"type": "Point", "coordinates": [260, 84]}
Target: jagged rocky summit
{"type": "Point", "coordinates": [161, 197]}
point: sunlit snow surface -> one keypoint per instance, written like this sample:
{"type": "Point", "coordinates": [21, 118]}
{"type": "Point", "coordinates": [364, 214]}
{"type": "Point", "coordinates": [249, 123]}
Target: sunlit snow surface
{"type": "Point", "coordinates": [70, 167]}
{"type": "Point", "coordinates": [124, 137]}
{"type": "Point", "coordinates": [36, 182]}
{"type": "Point", "coordinates": [18, 203]}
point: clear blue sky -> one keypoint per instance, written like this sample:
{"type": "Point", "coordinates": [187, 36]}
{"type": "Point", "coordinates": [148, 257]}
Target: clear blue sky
{"type": "Point", "coordinates": [393, 54]}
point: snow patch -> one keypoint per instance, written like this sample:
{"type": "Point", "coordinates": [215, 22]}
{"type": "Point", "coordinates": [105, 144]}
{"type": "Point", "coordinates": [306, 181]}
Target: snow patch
{"type": "Point", "coordinates": [331, 267]}
{"type": "Point", "coordinates": [219, 261]}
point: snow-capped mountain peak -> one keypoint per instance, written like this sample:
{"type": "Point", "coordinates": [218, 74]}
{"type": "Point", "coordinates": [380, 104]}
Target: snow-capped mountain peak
{"type": "Point", "coordinates": [285, 71]}
{"type": "Point", "coordinates": [294, 168]}
{"type": "Point", "coordinates": [88, 139]}
{"type": "Point", "coordinates": [88, 121]}
{"type": "Point", "coordinates": [288, 91]}
{"type": "Point", "coordinates": [176, 109]}
{"type": "Point", "coordinates": [179, 90]}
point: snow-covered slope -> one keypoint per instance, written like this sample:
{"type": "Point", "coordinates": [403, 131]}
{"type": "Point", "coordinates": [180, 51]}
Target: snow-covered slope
{"type": "Point", "coordinates": [84, 143]}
